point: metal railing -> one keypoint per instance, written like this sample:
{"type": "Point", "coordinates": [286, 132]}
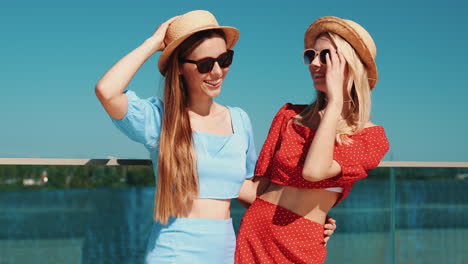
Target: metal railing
{"type": "Point", "coordinates": [392, 165]}
{"type": "Point", "coordinates": [117, 162]}
{"type": "Point", "coordinates": [73, 162]}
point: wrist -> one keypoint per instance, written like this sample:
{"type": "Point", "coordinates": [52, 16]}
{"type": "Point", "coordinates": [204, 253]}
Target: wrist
{"type": "Point", "coordinates": [152, 44]}
{"type": "Point", "coordinates": [336, 103]}
{"type": "Point", "coordinates": [332, 113]}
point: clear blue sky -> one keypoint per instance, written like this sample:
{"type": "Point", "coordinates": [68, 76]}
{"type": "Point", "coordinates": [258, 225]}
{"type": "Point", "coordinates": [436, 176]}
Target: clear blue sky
{"type": "Point", "coordinates": [52, 53]}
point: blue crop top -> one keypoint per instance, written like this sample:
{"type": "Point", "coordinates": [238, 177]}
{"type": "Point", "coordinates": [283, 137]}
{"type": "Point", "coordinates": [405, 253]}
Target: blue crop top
{"type": "Point", "coordinates": [223, 162]}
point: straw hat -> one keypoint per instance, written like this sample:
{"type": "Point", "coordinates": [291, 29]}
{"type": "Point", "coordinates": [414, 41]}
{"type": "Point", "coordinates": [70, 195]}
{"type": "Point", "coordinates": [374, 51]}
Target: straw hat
{"type": "Point", "coordinates": [354, 34]}
{"type": "Point", "coordinates": [187, 25]}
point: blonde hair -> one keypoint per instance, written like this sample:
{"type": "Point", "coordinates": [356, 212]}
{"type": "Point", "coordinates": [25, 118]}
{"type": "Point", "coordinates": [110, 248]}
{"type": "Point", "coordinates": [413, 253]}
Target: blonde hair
{"type": "Point", "coordinates": [177, 183]}
{"type": "Point", "coordinates": [357, 85]}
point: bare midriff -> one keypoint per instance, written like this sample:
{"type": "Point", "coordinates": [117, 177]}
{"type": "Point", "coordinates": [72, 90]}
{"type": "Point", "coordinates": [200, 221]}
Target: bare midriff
{"type": "Point", "coordinates": [211, 209]}
{"type": "Point", "coordinates": [312, 204]}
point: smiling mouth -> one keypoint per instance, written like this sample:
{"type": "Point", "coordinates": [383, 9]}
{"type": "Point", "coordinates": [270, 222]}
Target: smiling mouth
{"type": "Point", "coordinates": [317, 76]}
{"type": "Point", "coordinates": [214, 83]}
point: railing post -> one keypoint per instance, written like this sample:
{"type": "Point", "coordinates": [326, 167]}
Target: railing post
{"type": "Point", "coordinates": [392, 215]}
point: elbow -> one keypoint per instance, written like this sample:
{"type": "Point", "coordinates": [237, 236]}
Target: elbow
{"type": "Point", "coordinates": [312, 175]}
{"type": "Point", "coordinates": [100, 91]}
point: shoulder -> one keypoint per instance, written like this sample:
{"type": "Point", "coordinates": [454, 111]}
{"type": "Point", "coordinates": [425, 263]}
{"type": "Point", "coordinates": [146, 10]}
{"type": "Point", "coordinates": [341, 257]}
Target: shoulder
{"type": "Point", "coordinates": [369, 128]}
{"type": "Point", "coordinates": [237, 109]}
{"type": "Point", "coordinates": [373, 129]}
{"type": "Point", "coordinates": [239, 112]}
{"type": "Point", "coordinates": [156, 101]}
{"type": "Point", "coordinates": [290, 110]}
{"type": "Point", "coordinates": [372, 135]}
{"type": "Point", "coordinates": [150, 101]}
{"type": "Point", "coordinates": [370, 124]}
{"type": "Point", "coordinates": [368, 147]}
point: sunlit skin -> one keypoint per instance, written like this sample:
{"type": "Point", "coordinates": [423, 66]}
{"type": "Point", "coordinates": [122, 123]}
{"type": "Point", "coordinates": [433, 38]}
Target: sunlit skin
{"type": "Point", "coordinates": [205, 86]}
{"type": "Point", "coordinates": [318, 70]}
{"type": "Point", "coordinates": [205, 114]}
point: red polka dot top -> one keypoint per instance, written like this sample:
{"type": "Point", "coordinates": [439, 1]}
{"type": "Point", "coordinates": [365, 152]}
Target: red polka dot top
{"type": "Point", "coordinates": [285, 149]}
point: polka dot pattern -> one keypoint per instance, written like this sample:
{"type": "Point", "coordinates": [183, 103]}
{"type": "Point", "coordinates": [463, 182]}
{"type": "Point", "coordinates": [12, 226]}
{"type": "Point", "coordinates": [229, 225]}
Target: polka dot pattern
{"type": "Point", "coordinates": [284, 152]}
{"type": "Point", "coordinates": [272, 234]}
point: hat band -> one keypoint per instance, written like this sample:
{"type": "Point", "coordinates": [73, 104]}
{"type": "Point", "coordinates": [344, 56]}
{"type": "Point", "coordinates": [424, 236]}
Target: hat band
{"type": "Point", "coordinates": [194, 30]}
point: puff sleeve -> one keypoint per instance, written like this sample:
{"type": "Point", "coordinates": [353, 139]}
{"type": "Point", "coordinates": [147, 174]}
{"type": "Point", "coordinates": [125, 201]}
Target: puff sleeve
{"type": "Point", "coordinates": [251, 154]}
{"type": "Point", "coordinates": [271, 143]}
{"type": "Point", "coordinates": [142, 122]}
{"type": "Point", "coordinates": [364, 153]}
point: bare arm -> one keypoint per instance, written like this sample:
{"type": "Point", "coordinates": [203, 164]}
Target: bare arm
{"type": "Point", "coordinates": [247, 193]}
{"type": "Point", "coordinates": [319, 163]}
{"type": "Point", "coordinates": [252, 188]}
{"type": "Point", "coordinates": [111, 86]}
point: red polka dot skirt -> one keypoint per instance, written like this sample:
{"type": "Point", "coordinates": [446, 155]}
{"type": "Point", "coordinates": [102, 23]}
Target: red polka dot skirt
{"type": "Point", "coordinates": [272, 234]}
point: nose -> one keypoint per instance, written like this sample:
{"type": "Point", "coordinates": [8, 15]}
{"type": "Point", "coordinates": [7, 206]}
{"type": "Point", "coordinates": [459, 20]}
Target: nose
{"type": "Point", "coordinates": [316, 62]}
{"type": "Point", "coordinates": [217, 71]}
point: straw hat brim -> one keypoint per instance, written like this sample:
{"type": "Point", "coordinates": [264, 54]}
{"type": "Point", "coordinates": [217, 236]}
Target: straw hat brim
{"type": "Point", "coordinates": [345, 30]}
{"type": "Point", "coordinates": [232, 35]}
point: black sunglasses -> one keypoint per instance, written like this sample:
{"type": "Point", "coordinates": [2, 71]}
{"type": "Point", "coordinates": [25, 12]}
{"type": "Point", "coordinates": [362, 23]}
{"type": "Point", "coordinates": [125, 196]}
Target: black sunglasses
{"type": "Point", "coordinates": [206, 65]}
{"type": "Point", "coordinates": [309, 55]}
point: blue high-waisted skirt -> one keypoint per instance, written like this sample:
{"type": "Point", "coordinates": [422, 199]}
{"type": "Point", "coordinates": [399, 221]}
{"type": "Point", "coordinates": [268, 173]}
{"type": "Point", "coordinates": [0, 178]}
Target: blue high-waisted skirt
{"type": "Point", "coordinates": [193, 241]}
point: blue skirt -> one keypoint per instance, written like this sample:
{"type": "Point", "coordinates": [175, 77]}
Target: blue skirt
{"type": "Point", "coordinates": [192, 240]}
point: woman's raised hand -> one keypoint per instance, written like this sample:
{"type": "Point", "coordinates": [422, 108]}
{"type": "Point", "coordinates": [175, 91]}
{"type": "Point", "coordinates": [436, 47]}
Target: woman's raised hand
{"type": "Point", "coordinates": [335, 75]}
{"type": "Point", "coordinates": [157, 39]}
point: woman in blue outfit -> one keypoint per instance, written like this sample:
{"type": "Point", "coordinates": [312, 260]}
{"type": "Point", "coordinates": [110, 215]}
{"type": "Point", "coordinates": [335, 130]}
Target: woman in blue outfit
{"type": "Point", "coordinates": [202, 151]}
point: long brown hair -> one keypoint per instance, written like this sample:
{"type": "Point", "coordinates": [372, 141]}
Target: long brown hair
{"type": "Point", "coordinates": [359, 93]}
{"type": "Point", "coordinates": [177, 183]}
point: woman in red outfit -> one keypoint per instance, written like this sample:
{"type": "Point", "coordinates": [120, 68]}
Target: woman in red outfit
{"type": "Point", "coordinates": [315, 153]}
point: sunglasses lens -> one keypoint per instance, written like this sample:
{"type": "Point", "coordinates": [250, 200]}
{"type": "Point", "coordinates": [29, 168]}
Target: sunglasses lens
{"type": "Point", "coordinates": [309, 56]}
{"type": "Point", "coordinates": [225, 59]}
{"type": "Point", "coordinates": [205, 65]}
{"type": "Point", "coordinates": [323, 56]}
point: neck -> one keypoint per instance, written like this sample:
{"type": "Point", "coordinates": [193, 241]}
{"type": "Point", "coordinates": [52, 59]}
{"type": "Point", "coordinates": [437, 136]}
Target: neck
{"type": "Point", "coordinates": [201, 106]}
